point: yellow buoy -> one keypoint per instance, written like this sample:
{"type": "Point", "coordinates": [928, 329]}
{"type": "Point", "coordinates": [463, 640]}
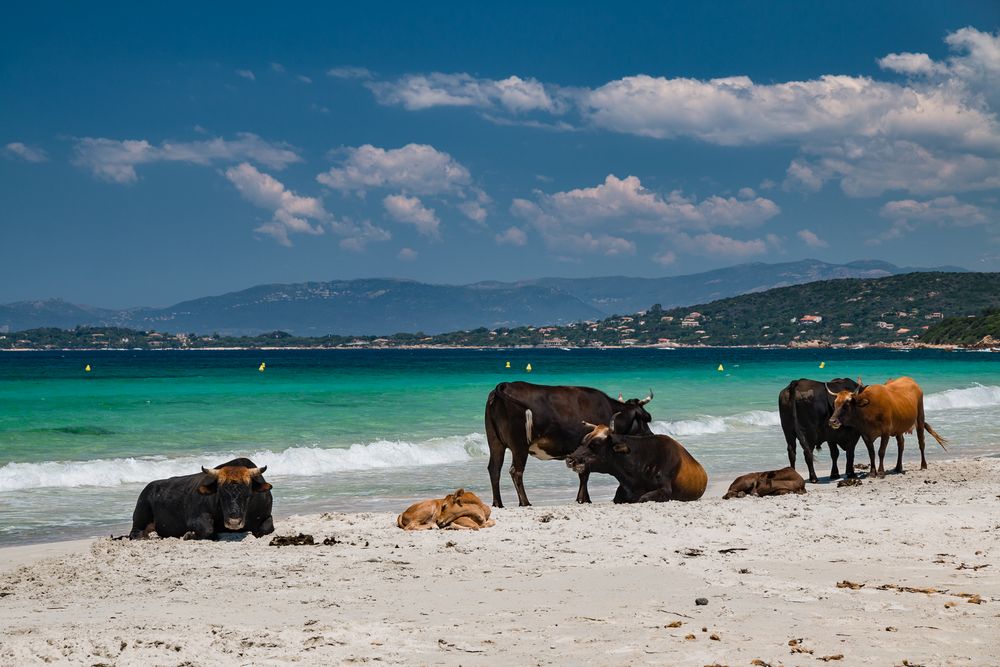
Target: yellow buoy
{"type": "Point", "coordinates": [822, 364]}
{"type": "Point", "coordinates": [720, 368]}
{"type": "Point", "coordinates": [262, 367]}
{"type": "Point", "coordinates": [508, 365]}
{"type": "Point", "coordinates": [87, 368]}
{"type": "Point", "coordinates": [528, 368]}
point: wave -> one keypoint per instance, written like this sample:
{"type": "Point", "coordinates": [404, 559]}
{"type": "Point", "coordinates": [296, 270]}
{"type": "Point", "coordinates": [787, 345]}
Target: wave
{"type": "Point", "coordinates": [708, 424]}
{"type": "Point", "coordinates": [294, 461]}
{"type": "Point", "coordinates": [976, 396]}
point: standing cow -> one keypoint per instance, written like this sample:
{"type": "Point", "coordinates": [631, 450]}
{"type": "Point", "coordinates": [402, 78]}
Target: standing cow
{"type": "Point", "coordinates": [884, 411]}
{"type": "Point", "coordinates": [547, 422]}
{"type": "Point", "coordinates": [805, 409]}
{"type": "Point", "coordinates": [230, 498]}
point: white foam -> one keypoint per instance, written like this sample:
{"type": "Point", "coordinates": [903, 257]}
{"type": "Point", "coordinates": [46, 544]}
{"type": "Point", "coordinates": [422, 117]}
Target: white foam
{"type": "Point", "coordinates": [294, 461]}
{"type": "Point", "coordinates": [709, 424]}
{"type": "Point", "coordinates": [976, 396]}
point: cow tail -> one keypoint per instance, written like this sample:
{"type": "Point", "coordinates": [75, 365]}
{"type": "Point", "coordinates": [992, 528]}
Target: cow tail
{"type": "Point", "coordinates": [795, 416]}
{"type": "Point", "coordinates": [941, 441]}
{"type": "Point", "coordinates": [493, 438]}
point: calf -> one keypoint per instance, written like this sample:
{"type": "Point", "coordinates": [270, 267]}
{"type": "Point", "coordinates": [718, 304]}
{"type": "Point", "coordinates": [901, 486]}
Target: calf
{"type": "Point", "coordinates": [884, 411]}
{"type": "Point", "coordinates": [462, 510]}
{"type": "Point", "coordinates": [647, 467]}
{"type": "Point", "coordinates": [770, 483]}
{"type": "Point", "coordinates": [230, 498]}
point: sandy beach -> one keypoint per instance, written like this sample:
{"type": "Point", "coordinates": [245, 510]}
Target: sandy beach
{"type": "Point", "coordinates": [900, 571]}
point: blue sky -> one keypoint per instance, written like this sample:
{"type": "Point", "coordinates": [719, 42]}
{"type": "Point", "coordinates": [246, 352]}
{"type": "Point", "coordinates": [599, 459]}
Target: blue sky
{"type": "Point", "coordinates": [149, 155]}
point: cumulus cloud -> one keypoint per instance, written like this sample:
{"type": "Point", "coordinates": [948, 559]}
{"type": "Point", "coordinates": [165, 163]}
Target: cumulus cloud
{"type": "Point", "coordinates": [25, 152]}
{"type": "Point", "coordinates": [115, 161]}
{"type": "Point", "coordinates": [601, 218]}
{"type": "Point", "coordinates": [412, 211]}
{"type": "Point", "coordinates": [906, 215]}
{"type": "Point", "coordinates": [415, 168]}
{"type": "Point", "coordinates": [714, 245]}
{"type": "Point", "coordinates": [869, 135]}
{"type": "Point", "coordinates": [512, 236]}
{"type": "Point", "coordinates": [407, 254]}
{"type": "Point", "coordinates": [291, 212]}
{"type": "Point", "coordinates": [811, 239]}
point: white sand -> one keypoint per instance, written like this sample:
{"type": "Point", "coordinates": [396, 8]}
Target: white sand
{"type": "Point", "coordinates": [550, 585]}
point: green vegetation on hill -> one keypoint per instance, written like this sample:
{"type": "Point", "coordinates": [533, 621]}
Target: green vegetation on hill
{"type": "Point", "coordinates": [903, 309]}
{"type": "Point", "coordinates": [967, 330]}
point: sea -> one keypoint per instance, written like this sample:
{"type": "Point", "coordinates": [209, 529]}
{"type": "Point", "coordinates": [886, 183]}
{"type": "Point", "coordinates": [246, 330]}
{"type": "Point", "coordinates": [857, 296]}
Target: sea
{"type": "Point", "coordinates": [373, 430]}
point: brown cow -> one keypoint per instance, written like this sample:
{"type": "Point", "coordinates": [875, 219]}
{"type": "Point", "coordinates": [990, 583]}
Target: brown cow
{"type": "Point", "coordinates": [770, 483]}
{"type": "Point", "coordinates": [884, 411]}
{"type": "Point", "coordinates": [462, 510]}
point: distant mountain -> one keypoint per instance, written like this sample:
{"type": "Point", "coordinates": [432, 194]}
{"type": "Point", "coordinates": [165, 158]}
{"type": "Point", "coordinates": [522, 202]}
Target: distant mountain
{"type": "Point", "coordinates": [386, 306]}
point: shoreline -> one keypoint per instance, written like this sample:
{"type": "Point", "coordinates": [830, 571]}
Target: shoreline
{"type": "Point", "coordinates": [561, 584]}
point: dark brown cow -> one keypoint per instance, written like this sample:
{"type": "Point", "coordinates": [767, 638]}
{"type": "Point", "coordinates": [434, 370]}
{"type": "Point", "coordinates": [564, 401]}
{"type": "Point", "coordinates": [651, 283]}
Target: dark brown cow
{"type": "Point", "coordinates": [770, 483]}
{"type": "Point", "coordinates": [885, 411]}
{"type": "Point", "coordinates": [545, 421]}
{"type": "Point", "coordinates": [648, 467]}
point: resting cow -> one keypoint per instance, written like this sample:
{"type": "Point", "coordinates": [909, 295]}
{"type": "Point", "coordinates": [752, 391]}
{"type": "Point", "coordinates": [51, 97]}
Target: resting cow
{"type": "Point", "coordinates": [770, 483]}
{"type": "Point", "coordinates": [647, 467]}
{"type": "Point", "coordinates": [462, 510]}
{"type": "Point", "coordinates": [546, 422]}
{"type": "Point", "coordinates": [884, 411]}
{"type": "Point", "coordinates": [230, 498]}
{"type": "Point", "coordinates": [805, 409]}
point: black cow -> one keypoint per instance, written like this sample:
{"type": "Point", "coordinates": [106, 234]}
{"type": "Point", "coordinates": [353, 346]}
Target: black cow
{"type": "Point", "coordinates": [805, 407]}
{"type": "Point", "coordinates": [647, 467]}
{"type": "Point", "coordinates": [230, 498]}
{"type": "Point", "coordinates": [547, 422]}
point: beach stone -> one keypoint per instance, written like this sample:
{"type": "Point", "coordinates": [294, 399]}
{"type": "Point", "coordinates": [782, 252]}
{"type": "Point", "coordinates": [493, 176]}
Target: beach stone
{"type": "Point", "coordinates": [701, 602]}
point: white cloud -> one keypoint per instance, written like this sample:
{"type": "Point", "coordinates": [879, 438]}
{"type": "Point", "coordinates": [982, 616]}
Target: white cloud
{"type": "Point", "coordinates": [603, 217]}
{"type": "Point", "coordinates": [25, 152]}
{"type": "Point", "coordinates": [303, 78]}
{"type": "Point", "coordinates": [906, 215]}
{"type": "Point", "coordinates": [415, 168]}
{"type": "Point", "coordinates": [246, 74]}
{"type": "Point", "coordinates": [291, 212]}
{"type": "Point", "coordinates": [412, 211]}
{"type": "Point", "coordinates": [717, 245]}
{"type": "Point", "coordinates": [407, 254]}
{"type": "Point", "coordinates": [358, 236]}
{"type": "Point", "coordinates": [811, 239]}
{"type": "Point", "coordinates": [349, 73]}
{"type": "Point", "coordinates": [115, 161]}
{"type": "Point", "coordinates": [665, 258]}
{"type": "Point", "coordinates": [423, 91]}
{"type": "Point", "coordinates": [512, 236]}
{"type": "Point", "coordinates": [278, 67]}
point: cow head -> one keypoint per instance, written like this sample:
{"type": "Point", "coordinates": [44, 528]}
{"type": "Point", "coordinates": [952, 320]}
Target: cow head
{"type": "Point", "coordinates": [459, 504]}
{"type": "Point", "coordinates": [234, 484]}
{"type": "Point", "coordinates": [596, 449]}
{"type": "Point", "coordinates": [847, 406]}
{"type": "Point", "coordinates": [632, 418]}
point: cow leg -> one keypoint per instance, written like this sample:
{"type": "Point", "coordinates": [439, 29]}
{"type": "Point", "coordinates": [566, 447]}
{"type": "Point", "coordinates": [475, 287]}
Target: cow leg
{"type": "Point", "coordinates": [583, 495]}
{"type": "Point", "coordinates": [870, 445]}
{"type": "Point", "coordinates": [834, 455]}
{"type": "Point", "coordinates": [266, 528]}
{"type": "Point", "coordinates": [201, 528]}
{"type": "Point", "coordinates": [881, 455]}
{"type": "Point", "coordinates": [497, 452]}
{"type": "Point", "coordinates": [621, 496]}
{"type": "Point", "coordinates": [142, 519]}
{"type": "Point", "coordinates": [920, 433]}
{"type": "Point", "coordinates": [792, 445]}
{"type": "Point", "coordinates": [517, 475]}
{"type": "Point", "coordinates": [808, 450]}
{"type": "Point", "coordinates": [849, 450]}
{"type": "Point", "coordinates": [658, 496]}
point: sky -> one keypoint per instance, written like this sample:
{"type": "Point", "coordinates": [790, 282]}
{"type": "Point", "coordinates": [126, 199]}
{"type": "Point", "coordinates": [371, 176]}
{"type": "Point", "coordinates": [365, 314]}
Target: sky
{"type": "Point", "coordinates": [151, 154]}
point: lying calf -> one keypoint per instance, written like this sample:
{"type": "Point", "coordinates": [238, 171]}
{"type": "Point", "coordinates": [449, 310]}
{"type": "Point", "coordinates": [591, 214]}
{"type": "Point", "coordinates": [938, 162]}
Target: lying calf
{"type": "Point", "coordinates": [462, 510]}
{"type": "Point", "coordinates": [647, 467]}
{"type": "Point", "coordinates": [770, 483]}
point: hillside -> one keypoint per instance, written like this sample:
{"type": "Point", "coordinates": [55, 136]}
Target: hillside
{"type": "Point", "coordinates": [385, 306]}
{"type": "Point", "coordinates": [966, 330]}
{"type": "Point", "coordinates": [907, 309]}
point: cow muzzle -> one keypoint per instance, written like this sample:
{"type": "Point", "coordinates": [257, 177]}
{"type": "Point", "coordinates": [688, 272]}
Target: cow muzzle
{"type": "Point", "coordinates": [234, 524]}
{"type": "Point", "coordinates": [834, 423]}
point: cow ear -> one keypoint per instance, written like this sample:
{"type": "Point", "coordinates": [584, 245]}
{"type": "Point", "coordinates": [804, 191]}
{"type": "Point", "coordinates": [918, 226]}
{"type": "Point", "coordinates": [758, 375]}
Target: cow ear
{"type": "Point", "coordinates": [208, 489]}
{"type": "Point", "coordinates": [862, 402]}
{"type": "Point", "coordinates": [261, 487]}
{"type": "Point", "coordinates": [620, 448]}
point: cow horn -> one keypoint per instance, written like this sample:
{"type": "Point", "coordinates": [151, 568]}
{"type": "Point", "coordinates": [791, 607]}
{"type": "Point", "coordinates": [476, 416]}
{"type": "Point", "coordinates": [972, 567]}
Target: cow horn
{"type": "Point", "coordinates": [611, 426]}
{"type": "Point", "coordinates": [832, 393]}
{"type": "Point", "coordinates": [621, 398]}
{"type": "Point", "coordinates": [860, 387]}
{"type": "Point", "coordinates": [648, 398]}
{"type": "Point", "coordinates": [208, 471]}
{"type": "Point", "coordinates": [590, 426]}
{"type": "Point", "coordinates": [256, 472]}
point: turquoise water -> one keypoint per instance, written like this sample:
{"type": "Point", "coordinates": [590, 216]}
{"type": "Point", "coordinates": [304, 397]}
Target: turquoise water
{"type": "Point", "coordinates": [361, 429]}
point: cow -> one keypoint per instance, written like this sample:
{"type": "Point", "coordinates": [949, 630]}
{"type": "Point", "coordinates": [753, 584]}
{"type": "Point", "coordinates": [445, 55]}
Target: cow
{"type": "Point", "coordinates": [647, 467]}
{"type": "Point", "coordinates": [884, 411]}
{"type": "Point", "coordinates": [545, 421]}
{"type": "Point", "coordinates": [770, 483]}
{"type": "Point", "coordinates": [805, 409]}
{"type": "Point", "coordinates": [462, 510]}
{"type": "Point", "coordinates": [230, 498]}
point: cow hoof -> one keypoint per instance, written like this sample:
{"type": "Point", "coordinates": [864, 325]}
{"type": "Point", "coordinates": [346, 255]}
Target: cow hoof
{"type": "Point", "coordinates": [190, 535]}
{"type": "Point", "coordinates": [834, 476]}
